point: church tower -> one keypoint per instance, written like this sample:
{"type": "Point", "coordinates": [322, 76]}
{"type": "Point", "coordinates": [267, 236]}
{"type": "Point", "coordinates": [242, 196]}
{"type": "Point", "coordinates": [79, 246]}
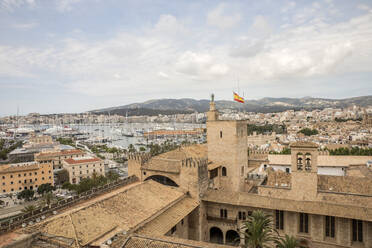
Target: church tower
{"type": "Point", "coordinates": [304, 169]}
{"type": "Point", "coordinates": [227, 146]}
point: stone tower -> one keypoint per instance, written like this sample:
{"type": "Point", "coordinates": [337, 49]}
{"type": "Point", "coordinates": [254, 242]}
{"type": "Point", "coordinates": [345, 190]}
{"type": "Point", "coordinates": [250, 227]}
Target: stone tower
{"type": "Point", "coordinates": [304, 167]}
{"type": "Point", "coordinates": [227, 146]}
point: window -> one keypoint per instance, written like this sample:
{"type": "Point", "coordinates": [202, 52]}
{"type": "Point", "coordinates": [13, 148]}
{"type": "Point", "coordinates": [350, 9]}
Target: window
{"type": "Point", "coordinates": [19, 181]}
{"type": "Point", "coordinates": [11, 176]}
{"type": "Point", "coordinates": [241, 215]}
{"type": "Point", "coordinates": [25, 181]}
{"type": "Point", "coordinates": [11, 182]}
{"type": "Point", "coordinates": [19, 175]}
{"type": "Point", "coordinates": [223, 213]}
{"type": "Point", "coordinates": [30, 174]}
{"type": "Point", "coordinates": [42, 178]}
{"type": "Point", "coordinates": [304, 223]}
{"type": "Point", "coordinates": [287, 170]}
{"type": "Point", "coordinates": [224, 172]}
{"type": "Point", "coordinates": [35, 179]}
{"type": "Point", "coordinates": [12, 189]}
{"type": "Point", "coordinates": [3, 183]}
{"type": "Point", "coordinates": [24, 174]}
{"type": "Point", "coordinates": [3, 177]}
{"type": "Point", "coordinates": [30, 180]}
{"type": "Point", "coordinates": [35, 173]}
{"type": "Point", "coordinates": [220, 134]}
{"type": "Point", "coordinates": [279, 219]}
{"type": "Point", "coordinates": [330, 226]}
{"type": "Point", "coordinates": [174, 229]}
{"type": "Point", "coordinates": [357, 230]}
{"type": "Point", "coordinates": [42, 172]}
{"type": "Point", "coordinates": [182, 222]}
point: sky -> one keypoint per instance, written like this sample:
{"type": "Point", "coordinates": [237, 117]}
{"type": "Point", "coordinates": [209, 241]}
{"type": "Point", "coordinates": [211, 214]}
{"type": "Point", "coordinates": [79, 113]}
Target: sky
{"type": "Point", "coordinates": [65, 56]}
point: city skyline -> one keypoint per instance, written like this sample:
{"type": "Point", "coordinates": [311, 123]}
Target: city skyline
{"type": "Point", "coordinates": [75, 56]}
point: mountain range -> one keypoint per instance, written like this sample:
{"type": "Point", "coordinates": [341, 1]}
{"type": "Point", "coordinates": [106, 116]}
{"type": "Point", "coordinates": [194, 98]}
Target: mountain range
{"type": "Point", "coordinates": [264, 105]}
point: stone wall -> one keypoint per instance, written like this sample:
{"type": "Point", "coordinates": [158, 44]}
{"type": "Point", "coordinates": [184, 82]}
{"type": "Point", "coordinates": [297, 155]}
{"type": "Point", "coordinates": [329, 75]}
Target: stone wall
{"type": "Point", "coordinates": [347, 184]}
{"type": "Point", "coordinates": [278, 178]}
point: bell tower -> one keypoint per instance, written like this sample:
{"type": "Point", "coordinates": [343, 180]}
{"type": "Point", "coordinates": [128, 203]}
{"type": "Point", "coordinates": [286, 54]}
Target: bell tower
{"type": "Point", "coordinates": [304, 169]}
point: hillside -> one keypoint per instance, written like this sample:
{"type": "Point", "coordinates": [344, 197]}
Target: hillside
{"type": "Point", "coordinates": [264, 105]}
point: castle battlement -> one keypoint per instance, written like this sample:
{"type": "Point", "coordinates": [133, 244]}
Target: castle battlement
{"type": "Point", "coordinates": [252, 152]}
{"type": "Point", "coordinates": [324, 153]}
{"type": "Point", "coordinates": [194, 162]}
{"type": "Point", "coordinates": [139, 157]}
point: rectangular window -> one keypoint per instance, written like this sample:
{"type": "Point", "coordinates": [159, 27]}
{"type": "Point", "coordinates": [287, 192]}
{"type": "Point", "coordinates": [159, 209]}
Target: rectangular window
{"type": "Point", "coordinates": [223, 213]}
{"type": "Point", "coordinates": [304, 223]}
{"type": "Point", "coordinates": [357, 230]}
{"type": "Point", "coordinates": [279, 219]}
{"type": "Point", "coordinates": [244, 217]}
{"type": "Point", "coordinates": [240, 216]}
{"type": "Point", "coordinates": [330, 226]}
{"type": "Point", "coordinates": [220, 134]}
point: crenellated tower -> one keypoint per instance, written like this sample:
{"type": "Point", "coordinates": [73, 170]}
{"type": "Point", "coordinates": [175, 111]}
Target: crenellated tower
{"type": "Point", "coordinates": [227, 145]}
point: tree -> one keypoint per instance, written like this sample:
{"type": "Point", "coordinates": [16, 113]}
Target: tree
{"type": "Point", "coordinates": [48, 198]}
{"type": "Point", "coordinates": [29, 209]}
{"type": "Point", "coordinates": [62, 176]}
{"type": "Point", "coordinates": [258, 230]}
{"type": "Point", "coordinates": [44, 188]}
{"type": "Point", "coordinates": [308, 131]}
{"type": "Point", "coordinates": [287, 242]}
{"type": "Point", "coordinates": [26, 194]}
{"type": "Point", "coordinates": [131, 148]}
{"type": "Point", "coordinates": [112, 176]}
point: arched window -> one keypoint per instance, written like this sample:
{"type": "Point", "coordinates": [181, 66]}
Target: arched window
{"type": "Point", "coordinates": [299, 161]}
{"type": "Point", "coordinates": [308, 162]}
{"type": "Point", "coordinates": [224, 172]}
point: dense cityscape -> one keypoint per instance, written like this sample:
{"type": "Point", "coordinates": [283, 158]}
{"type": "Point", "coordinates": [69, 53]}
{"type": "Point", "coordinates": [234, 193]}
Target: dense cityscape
{"type": "Point", "coordinates": [185, 124]}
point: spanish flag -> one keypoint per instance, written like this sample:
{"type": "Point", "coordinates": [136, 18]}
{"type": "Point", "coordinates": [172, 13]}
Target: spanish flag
{"type": "Point", "coordinates": [238, 98]}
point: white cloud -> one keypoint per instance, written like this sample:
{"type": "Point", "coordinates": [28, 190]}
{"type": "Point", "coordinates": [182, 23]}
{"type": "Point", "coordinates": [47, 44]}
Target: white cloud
{"type": "Point", "coordinates": [25, 25]}
{"type": "Point", "coordinates": [200, 65]}
{"type": "Point", "coordinates": [218, 18]}
{"type": "Point", "coordinates": [143, 59]}
{"type": "Point", "coordinates": [363, 7]}
{"type": "Point", "coordinates": [11, 5]}
{"type": "Point", "coordinates": [163, 75]}
{"type": "Point", "coordinates": [66, 5]}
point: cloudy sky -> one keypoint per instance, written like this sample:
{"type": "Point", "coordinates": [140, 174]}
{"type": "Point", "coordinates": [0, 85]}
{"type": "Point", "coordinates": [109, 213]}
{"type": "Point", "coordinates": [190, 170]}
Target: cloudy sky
{"type": "Point", "coordinates": [78, 55]}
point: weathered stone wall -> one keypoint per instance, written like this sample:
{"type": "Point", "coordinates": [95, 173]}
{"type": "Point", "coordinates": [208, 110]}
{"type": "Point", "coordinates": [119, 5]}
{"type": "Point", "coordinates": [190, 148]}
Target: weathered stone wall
{"type": "Point", "coordinates": [227, 145]}
{"type": "Point", "coordinates": [278, 178]}
{"type": "Point", "coordinates": [347, 184]}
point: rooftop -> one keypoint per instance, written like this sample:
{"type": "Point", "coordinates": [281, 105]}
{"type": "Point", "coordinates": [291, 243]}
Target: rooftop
{"type": "Point", "coordinates": [82, 160]}
{"type": "Point", "coordinates": [19, 167]}
{"type": "Point", "coordinates": [121, 212]}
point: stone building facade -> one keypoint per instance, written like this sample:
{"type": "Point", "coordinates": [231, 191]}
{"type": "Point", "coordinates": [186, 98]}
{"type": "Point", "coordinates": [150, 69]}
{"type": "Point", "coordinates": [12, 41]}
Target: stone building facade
{"type": "Point", "coordinates": [20, 176]}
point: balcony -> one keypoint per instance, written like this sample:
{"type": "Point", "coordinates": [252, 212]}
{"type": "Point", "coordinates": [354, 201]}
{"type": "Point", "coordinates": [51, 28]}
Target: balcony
{"type": "Point", "coordinates": [224, 220]}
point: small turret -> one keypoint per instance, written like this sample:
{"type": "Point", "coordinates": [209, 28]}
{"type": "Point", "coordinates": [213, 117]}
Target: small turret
{"type": "Point", "coordinates": [212, 114]}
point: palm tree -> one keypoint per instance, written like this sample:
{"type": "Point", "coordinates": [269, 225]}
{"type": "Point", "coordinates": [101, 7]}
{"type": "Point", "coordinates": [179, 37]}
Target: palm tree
{"type": "Point", "coordinates": [287, 242]}
{"type": "Point", "coordinates": [29, 209]}
{"type": "Point", "coordinates": [258, 230]}
{"type": "Point", "coordinates": [48, 198]}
